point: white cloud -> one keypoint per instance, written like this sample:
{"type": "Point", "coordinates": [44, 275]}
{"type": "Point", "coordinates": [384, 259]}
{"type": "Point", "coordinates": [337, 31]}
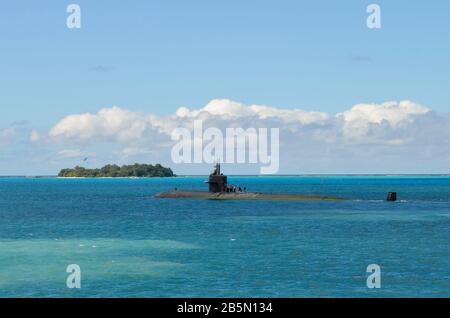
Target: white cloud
{"type": "Point", "coordinates": [362, 123]}
{"type": "Point", "coordinates": [361, 133]}
{"type": "Point", "coordinates": [362, 118]}
{"type": "Point", "coordinates": [392, 112]}
{"type": "Point", "coordinates": [114, 122]}
{"type": "Point", "coordinates": [228, 109]}
{"type": "Point", "coordinates": [125, 126]}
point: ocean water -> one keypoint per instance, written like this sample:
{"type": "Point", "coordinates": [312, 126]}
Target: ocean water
{"type": "Point", "coordinates": [129, 244]}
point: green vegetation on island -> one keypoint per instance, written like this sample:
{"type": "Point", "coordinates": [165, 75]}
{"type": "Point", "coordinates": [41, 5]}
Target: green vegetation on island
{"type": "Point", "coordinates": [115, 171]}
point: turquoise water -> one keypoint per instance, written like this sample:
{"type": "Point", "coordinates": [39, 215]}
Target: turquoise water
{"type": "Point", "coordinates": [129, 244]}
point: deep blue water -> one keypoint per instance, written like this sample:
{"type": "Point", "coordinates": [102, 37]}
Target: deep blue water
{"type": "Point", "coordinates": [129, 244]}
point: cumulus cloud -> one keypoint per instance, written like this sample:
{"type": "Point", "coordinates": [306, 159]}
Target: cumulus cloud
{"type": "Point", "coordinates": [231, 109]}
{"type": "Point", "coordinates": [362, 120]}
{"type": "Point", "coordinates": [389, 129]}
{"type": "Point", "coordinates": [114, 123]}
{"type": "Point", "coordinates": [392, 112]}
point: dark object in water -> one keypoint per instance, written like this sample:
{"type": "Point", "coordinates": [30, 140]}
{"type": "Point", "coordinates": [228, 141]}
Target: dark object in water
{"type": "Point", "coordinates": [392, 196]}
{"type": "Point", "coordinates": [233, 195]}
{"type": "Point", "coordinates": [220, 190]}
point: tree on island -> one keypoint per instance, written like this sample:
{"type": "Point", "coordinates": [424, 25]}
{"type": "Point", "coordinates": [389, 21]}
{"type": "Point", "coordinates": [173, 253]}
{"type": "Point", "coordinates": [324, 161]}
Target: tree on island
{"type": "Point", "coordinates": [115, 171]}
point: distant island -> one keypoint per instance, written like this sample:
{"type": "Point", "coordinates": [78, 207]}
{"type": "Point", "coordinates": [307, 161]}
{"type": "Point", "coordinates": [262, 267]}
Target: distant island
{"type": "Point", "coordinates": [115, 171]}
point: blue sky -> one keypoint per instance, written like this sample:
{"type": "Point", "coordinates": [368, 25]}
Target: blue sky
{"type": "Point", "coordinates": [156, 56]}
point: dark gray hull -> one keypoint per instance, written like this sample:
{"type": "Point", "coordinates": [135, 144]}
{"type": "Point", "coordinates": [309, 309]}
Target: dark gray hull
{"type": "Point", "coordinates": [180, 194]}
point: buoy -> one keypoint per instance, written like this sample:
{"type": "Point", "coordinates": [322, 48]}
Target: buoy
{"type": "Point", "coordinates": [392, 196]}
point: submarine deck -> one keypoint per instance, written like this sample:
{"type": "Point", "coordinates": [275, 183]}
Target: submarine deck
{"type": "Point", "coordinates": [181, 194]}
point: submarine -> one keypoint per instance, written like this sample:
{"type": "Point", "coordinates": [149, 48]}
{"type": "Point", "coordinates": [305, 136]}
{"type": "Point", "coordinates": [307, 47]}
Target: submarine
{"type": "Point", "coordinates": [219, 189]}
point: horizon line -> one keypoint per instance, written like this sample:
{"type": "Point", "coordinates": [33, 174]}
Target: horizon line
{"type": "Point", "coordinates": [248, 175]}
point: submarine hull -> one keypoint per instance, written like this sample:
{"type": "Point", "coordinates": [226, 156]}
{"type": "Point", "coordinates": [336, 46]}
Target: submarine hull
{"type": "Point", "coordinates": [180, 194]}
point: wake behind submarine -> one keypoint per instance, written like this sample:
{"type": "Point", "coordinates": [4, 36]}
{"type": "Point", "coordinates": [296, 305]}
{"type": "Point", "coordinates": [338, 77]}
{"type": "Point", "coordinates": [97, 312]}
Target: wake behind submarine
{"type": "Point", "coordinates": [219, 189]}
